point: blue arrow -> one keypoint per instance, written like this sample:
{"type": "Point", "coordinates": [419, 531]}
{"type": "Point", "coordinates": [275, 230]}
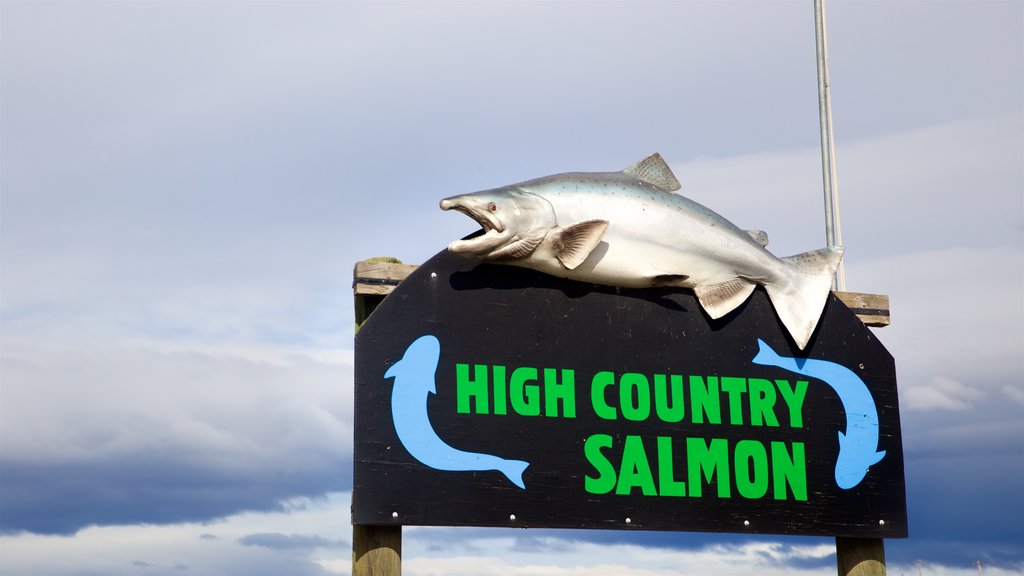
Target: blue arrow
{"type": "Point", "coordinates": [414, 379]}
{"type": "Point", "coordinates": [858, 447]}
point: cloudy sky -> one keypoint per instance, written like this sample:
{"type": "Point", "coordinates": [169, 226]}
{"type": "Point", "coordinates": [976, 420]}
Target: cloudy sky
{"type": "Point", "coordinates": [187, 185]}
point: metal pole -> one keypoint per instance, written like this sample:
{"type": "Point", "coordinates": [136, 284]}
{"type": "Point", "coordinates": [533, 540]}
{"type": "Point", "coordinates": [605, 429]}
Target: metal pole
{"type": "Point", "coordinates": [854, 556]}
{"type": "Point", "coordinates": [833, 231]}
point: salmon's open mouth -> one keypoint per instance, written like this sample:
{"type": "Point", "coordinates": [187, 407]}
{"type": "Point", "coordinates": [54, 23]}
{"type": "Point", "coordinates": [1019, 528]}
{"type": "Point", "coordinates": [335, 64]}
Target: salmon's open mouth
{"type": "Point", "coordinates": [494, 236]}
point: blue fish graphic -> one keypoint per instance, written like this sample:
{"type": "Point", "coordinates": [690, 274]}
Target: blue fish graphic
{"type": "Point", "coordinates": [414, 378]}
{"type": "Point", "coordinates": [858, 447]}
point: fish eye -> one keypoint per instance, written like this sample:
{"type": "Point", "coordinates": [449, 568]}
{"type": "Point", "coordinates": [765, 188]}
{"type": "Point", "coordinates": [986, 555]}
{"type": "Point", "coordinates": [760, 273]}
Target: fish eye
{"type": "Point", "coordinates": [492, 207]}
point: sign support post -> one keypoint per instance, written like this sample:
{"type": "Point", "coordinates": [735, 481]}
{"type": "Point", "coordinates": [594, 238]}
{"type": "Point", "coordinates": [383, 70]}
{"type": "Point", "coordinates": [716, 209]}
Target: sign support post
{"type": "Point", "coordinates": [860, 556]}
{"type": "Point", "coordinates": [376, 550]}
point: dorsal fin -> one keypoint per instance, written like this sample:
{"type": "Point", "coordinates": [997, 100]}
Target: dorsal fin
{"type": "Point", "coordinates": [655, 172]}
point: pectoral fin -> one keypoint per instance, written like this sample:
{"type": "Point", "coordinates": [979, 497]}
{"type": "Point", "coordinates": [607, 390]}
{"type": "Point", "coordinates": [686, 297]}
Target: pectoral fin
{"type": "Point", "coordinates": [516, 250]}
{"type": "Point", "coordinates": [573, 244]}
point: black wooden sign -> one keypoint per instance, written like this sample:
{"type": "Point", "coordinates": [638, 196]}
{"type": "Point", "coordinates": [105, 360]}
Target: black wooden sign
{"type": "Point", "coordinates": [496, 396]}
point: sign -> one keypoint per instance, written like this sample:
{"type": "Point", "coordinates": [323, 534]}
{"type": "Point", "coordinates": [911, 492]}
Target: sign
{"type": "Point", "coordinates": [496, 396]}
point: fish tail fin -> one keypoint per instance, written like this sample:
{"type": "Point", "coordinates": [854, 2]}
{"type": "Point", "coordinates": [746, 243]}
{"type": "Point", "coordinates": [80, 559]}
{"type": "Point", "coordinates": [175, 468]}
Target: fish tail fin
{"type": "Point", "coordinates": [765, 355]}
{"type": "Point", "coordinates": [800, 301]}
{"type": "Point", "coordinates": [514, 469]}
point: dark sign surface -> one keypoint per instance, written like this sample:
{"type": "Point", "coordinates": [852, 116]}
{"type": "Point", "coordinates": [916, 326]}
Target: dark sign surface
{"type": "Point", "coordinates": [496, 396]}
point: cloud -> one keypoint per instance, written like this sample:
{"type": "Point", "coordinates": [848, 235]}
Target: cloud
{"type": "Point", "coordinates": [975, 338]}
{"type": "Point", "coordinates": [923, 190]}
{"type": "Point", "coordinates": [150, 567]}
{"type": "Point", "coordinates": [558, 552]}
{"type": "Point", "coordinates": [541, 544]}
{"type": "Point", "coordinates": [299, 539]}
{"type": "Point", "coordinates": [143, 433]}
{"type": "Point", "coordinates": [1014, 393]}
{"type": "Point", "coordinates": [288, 541]}
{"type": "Point", "coordinates": [501, 554]}
{"type": "Point", "coordinates": [941, 394]}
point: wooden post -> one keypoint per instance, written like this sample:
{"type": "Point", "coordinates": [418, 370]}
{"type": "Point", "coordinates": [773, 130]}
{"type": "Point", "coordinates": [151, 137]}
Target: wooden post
{"type": "Point", "coordinates": [863, 556]}
{"type": "Point", "coordinates": [871, 309]}
{"type": "Point", "coordinates": [860, 556]}
{"type": "Point", "coordinates": [376, 550]}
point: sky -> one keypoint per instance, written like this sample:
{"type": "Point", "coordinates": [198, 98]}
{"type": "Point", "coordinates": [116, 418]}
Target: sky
{"type": "Point", "coordinates": [186, 186]}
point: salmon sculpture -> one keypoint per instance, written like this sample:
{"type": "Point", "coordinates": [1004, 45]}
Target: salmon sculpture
{"type": "Point", "coordinates": [630, 229]}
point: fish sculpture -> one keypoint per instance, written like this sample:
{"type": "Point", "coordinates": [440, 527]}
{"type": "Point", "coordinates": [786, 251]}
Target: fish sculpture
{"type": "Point", "coordinates": [629, 229]}
{"type": "Point", "coordinates": [414, 378]}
